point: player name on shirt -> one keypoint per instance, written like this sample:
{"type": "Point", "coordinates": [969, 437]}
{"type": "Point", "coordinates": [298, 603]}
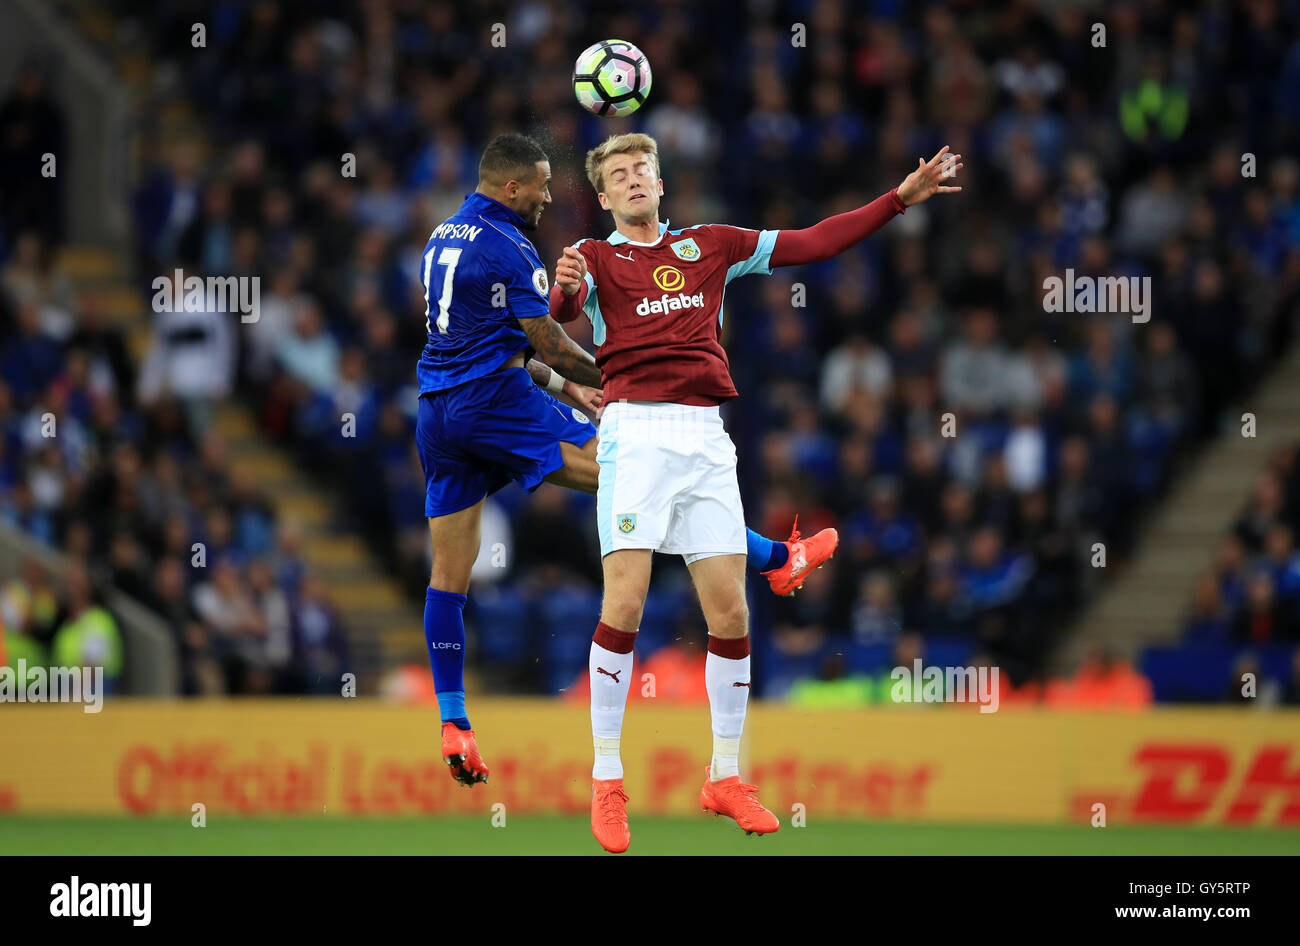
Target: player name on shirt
{"type": "Point", "coordinates": [455, 231]}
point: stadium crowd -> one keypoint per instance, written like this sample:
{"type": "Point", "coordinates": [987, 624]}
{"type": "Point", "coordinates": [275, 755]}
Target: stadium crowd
{"type": "Point", "coordinates": [1244, 616]}
{"type": "Point", "coordinates": [970, 447]}
{"type": "Point", "coordinates": [111, 469]}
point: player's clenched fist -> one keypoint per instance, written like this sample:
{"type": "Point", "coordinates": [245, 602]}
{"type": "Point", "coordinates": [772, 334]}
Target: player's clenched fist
{"type": "Point", "coordinates": [570, 271]}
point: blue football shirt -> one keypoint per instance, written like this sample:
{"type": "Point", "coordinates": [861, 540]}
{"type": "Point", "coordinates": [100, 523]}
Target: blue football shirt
{"type": "Point", "coordinates": [481, 275]}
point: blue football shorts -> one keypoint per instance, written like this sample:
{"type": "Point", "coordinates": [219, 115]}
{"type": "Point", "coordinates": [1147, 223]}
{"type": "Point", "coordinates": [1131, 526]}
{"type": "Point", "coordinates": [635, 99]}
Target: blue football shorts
{"type": "Point", "coordinates": [477, 437]}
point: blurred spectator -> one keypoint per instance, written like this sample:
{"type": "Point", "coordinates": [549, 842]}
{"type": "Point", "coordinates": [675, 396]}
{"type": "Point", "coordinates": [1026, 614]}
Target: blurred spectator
{"type": "Point", "coordinates": [876, 616]}
{"type": "Point", "coordinates": [1264, 619]}
{"type": "Point", "coordinates": [31, 126]}
{"type": "Point", "coordinates": [410, 683]}
{"type": "Point", "coordinates": [975, 370]}
{"type": "Point", "coordinates": [1104, 681]}
{"type": "Point", "coordinates": [88, 636]}
{"type": "Point", "coordinates": [320, 648]}
{"type": "Point", "coordinates": [1207, 620]}
{"type": "Point", "coordinates": [225, 605]}
{"type": "Point", "coordinates": [30, 278]}
{"type": "Point", "coordinates": [833, 688]}
{"type": "Point", "coordinates": [28, 609]}
{"type": "Point", "coordinates": [192, 358]}
{"type": "Point", "coordinates": [854, 365]}
{"type": "Point", "coordinates": [1151, 213]}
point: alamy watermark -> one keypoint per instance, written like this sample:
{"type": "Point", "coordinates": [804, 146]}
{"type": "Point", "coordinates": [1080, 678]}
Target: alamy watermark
{"type": "Point", "coordinates": [181, 293]}
{"type": "Point", "coordinates": [25, 684]}
{"type": "Point", "coordinates": [76, 899]}
{"type": "Point", "coordinates": [1127, 294]}
{"type": "Point", "coordinates": [918, 684]}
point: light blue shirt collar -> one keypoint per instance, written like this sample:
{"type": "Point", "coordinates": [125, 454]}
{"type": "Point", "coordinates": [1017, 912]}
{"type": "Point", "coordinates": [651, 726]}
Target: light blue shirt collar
{"type": "Point", "coordinates": [616, 238]}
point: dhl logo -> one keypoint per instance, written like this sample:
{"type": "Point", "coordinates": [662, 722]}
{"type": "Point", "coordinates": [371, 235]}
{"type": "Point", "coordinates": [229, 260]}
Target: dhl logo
{"type": "Point", "coordinates": [1183, 782]}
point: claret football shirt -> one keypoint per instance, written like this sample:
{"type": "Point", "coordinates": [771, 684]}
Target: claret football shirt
{"type": "Point", "coordinates": [656, 309]}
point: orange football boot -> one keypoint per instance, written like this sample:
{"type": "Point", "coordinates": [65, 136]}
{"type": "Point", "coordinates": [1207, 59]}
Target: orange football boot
{"type": "Point", "coordinates": [460, 752]}
{"type": "Point", "coordinates": [609, 814]}
{"type": "Point", "coordinates": [805, 555]}
{"type": "Point", "coordinates": [735, 799]}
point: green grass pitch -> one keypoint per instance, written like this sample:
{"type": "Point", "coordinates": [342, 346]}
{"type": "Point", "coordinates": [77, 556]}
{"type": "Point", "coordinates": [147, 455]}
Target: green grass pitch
{"type": "Point", "coordinates": [572, 835]}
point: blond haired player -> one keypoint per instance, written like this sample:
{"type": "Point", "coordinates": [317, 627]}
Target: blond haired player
{"type": "Point", "coordinates": [667, 466]}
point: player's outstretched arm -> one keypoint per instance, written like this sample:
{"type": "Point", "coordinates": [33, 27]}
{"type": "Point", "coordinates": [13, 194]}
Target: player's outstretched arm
{"type": "Point", "coordinates": [558, 350]}
{"type": "Point", "coordinates": [836, 234]}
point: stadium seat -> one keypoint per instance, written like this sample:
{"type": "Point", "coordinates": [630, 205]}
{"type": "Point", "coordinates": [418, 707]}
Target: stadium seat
{"type": "Point", "coordinates": [567, 618]}
{"type": "Point", "coordinates": [659, 621]}
{"type": "Point", "coordinates": [868, 658]}
{"type": "Point", "coordinates": [947, 651]}
{"type": "Point", "coordinates": [776, 672]}
{"type": "Point", "coordinates": [1194, 674]}
{"type": "Point", "coordinates": [501, 621]}
{"type": "Point", "coordinates": [1275, 661]}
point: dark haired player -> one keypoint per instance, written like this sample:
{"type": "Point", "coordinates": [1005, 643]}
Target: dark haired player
{"type": "Point", "coordinates": [484, 419]}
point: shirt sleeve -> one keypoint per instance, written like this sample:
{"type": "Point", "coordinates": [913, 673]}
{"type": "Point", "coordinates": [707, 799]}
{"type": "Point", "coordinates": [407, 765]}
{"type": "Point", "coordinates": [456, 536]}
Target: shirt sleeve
{"type": "Point", "coordinates": [747, 251]}
{"type": "Point", "coordinates": [529, 290]}
{"type": "Point", "coordinates": [590, 305]}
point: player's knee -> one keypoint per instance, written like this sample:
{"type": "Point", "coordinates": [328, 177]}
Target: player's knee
{"type": "Point", "coordinates": [730, 619]}
{"type": "Point", "coordinates": [624, 615]}
{"type": "Point", "coordinates": [449, 577]}
{"type": "Point", "coordinates": [621, 608]}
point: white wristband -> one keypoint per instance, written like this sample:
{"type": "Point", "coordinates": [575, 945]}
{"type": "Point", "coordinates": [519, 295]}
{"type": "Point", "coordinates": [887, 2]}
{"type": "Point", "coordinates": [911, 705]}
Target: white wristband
{"type": "Point", "coordinates": [556, 384]}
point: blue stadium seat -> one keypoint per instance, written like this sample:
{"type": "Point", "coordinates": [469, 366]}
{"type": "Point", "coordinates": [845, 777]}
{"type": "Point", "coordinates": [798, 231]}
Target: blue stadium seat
{"type": "Point", "coordinates": [501, 627]}
{"type": "Point", "coordinates": [1275, 661]}
{"type": "Point", "coordinates": [660, 622]}
{"type": "Point", "coordinates": [1195, 674]}
{"type": "Point", "coordinates": [947, 651]}
{"type": "Point", "coordinates": [776, 673]}
{"type": "Point", "coordinates": [567, 618]}
{"type": "Point", "coordinates": [868, 658]}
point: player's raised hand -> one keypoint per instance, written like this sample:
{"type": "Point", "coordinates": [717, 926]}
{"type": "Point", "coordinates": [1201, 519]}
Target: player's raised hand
{"type": "Point", "coordinates": [589, 399]}
{"type": "Point", "coordinates": [570, 271]}
{"type": "Point", "coordinates": [926, 180]}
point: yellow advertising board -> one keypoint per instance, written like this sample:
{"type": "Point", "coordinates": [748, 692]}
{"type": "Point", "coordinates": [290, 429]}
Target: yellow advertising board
{"type": "Point", "coordinates": [937, 763]}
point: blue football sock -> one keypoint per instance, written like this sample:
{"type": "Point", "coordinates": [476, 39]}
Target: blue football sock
{"type": "Point", "coordinates": [444, 632]}
{"type": "Point", "coordinates": [764, 554]}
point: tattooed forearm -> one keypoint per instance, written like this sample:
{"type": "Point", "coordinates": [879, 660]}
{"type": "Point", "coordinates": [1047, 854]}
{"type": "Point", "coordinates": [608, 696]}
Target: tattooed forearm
{"type": "Point", "coordinates": [562, 353]}
{"type": "Point", "coordinates": [540, 372]}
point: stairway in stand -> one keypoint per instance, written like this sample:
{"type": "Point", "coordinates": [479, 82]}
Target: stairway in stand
{"type": "Point", "coordinates": [1145, 605]}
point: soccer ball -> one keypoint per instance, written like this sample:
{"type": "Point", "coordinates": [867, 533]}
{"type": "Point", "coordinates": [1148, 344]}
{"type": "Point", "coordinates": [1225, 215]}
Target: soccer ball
{"type": "Point", "coordinates": [611, 78]}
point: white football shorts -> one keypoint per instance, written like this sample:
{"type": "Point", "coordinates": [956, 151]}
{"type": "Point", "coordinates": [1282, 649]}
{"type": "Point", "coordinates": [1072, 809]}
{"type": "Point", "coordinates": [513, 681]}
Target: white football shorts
{"type": "Point", "coordinates": [668, 481]}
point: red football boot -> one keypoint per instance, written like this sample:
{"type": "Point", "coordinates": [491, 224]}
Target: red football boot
{"type": "Point", "coordinates": [735, 799]}
{"type": "Point", "coordinates": [609, 814]}
{"type": "Point", "coordinates": [460, 752]}
{"type": "Point", "coordinates": [805, 555]}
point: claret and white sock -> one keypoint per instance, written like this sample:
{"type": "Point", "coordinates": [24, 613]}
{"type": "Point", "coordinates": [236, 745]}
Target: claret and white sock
{"type": "Point", "coordinates": [610, 666]}
{"type": "Point", "coordinates": [726, 678]}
